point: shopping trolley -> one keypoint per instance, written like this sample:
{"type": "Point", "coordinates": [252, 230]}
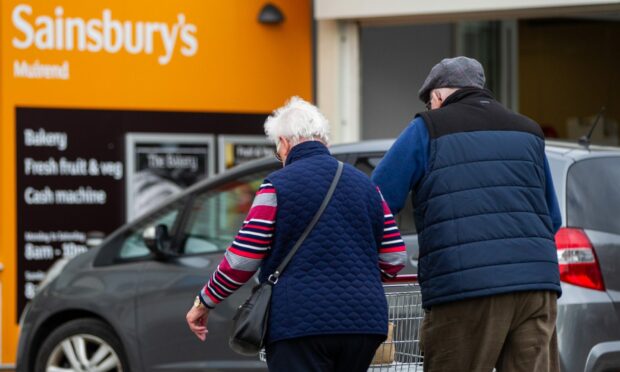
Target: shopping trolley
{"type": "Point", "coordinates": [401, 351]}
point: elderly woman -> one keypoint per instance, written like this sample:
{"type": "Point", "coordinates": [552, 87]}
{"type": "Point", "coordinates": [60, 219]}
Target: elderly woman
{"type": "Point", "coordinates": [328, 309]}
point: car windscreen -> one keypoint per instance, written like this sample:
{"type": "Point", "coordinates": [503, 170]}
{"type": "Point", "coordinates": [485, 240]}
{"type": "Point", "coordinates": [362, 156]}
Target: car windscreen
{"type": "Point", "coordinates": [593, 196]}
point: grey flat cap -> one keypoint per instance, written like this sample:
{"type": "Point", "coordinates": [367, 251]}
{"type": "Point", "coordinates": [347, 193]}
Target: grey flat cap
{"type": "Point", "coordinates": [457, 72]}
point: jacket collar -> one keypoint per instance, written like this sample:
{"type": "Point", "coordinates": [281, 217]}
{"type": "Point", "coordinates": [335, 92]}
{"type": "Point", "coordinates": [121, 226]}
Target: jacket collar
{"type": "Point", "coordinates": [306, 149]}
{"type": "Point", "coordinates": [469, 92]}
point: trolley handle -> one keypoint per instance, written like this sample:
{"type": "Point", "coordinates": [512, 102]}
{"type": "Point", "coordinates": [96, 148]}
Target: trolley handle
{"type": "Point", "coordinates": [405, 278]}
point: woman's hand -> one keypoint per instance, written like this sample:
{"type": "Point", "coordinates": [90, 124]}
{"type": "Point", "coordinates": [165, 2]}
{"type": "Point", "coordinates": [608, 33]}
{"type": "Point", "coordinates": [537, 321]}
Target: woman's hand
{"type": "Point", "coordinates": [197, 318]}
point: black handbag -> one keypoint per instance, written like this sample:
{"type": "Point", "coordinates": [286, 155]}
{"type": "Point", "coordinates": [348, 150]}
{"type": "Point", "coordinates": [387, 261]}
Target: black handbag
{"type": "Point", "coordinates": [249, 326]}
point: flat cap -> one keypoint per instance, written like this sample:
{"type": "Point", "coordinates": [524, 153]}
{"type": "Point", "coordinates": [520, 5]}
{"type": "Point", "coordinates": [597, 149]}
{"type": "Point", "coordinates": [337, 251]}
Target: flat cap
{"type": "Point", "coordinates": [457, 72]}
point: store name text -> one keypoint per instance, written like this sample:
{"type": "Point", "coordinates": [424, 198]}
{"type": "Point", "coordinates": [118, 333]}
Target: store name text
{"type": "Point", "coordinates": [107, 34]}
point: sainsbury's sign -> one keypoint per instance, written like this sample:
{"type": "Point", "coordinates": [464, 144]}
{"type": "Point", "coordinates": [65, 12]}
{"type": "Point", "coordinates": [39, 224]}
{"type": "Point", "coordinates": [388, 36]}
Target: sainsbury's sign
{"type": "Point", "coordinates": [60, 32]}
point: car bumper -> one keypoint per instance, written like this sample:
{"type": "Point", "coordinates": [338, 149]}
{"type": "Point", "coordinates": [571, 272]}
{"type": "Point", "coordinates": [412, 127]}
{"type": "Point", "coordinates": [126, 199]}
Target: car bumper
{"type": "Point", "coordinates": [586, 319]}
{"type": "Point", "coordinates": [604, 357]}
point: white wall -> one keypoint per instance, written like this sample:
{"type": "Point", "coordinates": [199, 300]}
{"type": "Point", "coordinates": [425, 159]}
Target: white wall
{"type": "Point", "coordinates": [367, 9]}
{"type": "Point", "coordinates": [338, 78]}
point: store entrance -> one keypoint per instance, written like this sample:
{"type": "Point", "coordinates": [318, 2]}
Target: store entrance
{"type": "Point", "coordinates": [560, 72]}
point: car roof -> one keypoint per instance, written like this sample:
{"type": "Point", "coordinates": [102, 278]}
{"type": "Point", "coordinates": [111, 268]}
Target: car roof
{"type": "Point", "coordinates": [560, 148]}
{"type": "Point", "coordinates": [578, 152]}
{"type": "Point", "coordinates": [563, 148]}
{"type": "Point", "coordinates": [379, 145]}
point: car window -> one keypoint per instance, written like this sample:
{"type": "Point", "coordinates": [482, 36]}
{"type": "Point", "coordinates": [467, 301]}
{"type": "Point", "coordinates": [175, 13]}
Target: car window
{"type": "Point", "coordinates": [592, 197]}
{"type": "Point", "coordinates": [216, 215]}
{"type": "Point", "coordinates": [405, 221]}
{"type": "Point", "coordinates": [133, 245]}
{"type": "Point", "coordinates": [557, 168]}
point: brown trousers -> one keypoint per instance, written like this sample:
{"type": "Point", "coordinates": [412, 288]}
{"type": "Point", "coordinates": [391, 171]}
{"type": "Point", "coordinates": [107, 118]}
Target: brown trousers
{"type": "Point", "coordinates": [509, 332]}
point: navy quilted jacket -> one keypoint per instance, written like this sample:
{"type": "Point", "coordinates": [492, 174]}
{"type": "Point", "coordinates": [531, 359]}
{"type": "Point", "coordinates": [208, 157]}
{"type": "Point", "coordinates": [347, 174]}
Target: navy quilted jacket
{"type": "Point", "coordinates": [483, 221]}
{"type": "Point", "coordinates": [332, 285]}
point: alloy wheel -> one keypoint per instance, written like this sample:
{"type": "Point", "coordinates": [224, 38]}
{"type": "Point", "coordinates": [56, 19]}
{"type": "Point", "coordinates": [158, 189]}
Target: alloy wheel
{"type": "Point", "coordinates": [83, 353]}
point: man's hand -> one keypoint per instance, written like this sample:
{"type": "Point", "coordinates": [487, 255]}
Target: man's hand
{"type": "Point", "coordinates": [197, 318]}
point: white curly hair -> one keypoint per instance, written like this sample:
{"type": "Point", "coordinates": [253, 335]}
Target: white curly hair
{"type": "Point", "coordinates": [297, 121]}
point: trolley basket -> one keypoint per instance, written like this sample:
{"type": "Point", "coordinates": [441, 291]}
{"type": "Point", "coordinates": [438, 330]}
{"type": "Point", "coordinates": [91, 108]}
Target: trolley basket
{"type": "Point", "coordinates": [401, 350]}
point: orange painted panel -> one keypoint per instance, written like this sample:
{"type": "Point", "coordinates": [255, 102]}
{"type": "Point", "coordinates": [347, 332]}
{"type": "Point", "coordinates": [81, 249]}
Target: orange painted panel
{"type": "Point", "coordinates": [185, 55]}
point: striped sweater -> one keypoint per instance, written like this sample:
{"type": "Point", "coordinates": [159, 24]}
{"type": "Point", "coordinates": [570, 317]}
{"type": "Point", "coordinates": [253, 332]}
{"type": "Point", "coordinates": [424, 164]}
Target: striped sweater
{"type": "Point", "coordinates": [253, 242]}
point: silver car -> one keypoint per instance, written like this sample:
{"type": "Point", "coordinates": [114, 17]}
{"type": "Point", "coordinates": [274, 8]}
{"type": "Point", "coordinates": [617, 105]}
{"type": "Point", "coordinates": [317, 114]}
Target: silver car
{"type": "Point", "coordinates": [121, 306]}
{"type": "Point", "coordinates": [587, 184]}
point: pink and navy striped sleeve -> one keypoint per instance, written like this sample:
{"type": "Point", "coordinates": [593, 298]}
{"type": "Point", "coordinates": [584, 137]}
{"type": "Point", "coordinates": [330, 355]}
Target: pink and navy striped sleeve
{"type": "Point", "coordinates": [392, 252]}
{"type": "Point", "coordinates": [244, 256]}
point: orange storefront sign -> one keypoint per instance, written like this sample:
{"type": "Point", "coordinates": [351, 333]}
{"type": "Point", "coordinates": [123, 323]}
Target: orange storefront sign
{"type": "Point", "coordinates": [189, 55]}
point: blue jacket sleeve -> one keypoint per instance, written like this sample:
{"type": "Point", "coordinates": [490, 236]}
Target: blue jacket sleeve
{"type": "Point", "coordinates": [552, 199]}
{"type": "Point", "coordinates": [404, 165]}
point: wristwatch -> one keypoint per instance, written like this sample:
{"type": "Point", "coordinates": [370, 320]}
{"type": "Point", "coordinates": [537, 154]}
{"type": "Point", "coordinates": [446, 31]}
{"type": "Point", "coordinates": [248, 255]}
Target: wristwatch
{"type": "Point", "coordinates": [197, 302]}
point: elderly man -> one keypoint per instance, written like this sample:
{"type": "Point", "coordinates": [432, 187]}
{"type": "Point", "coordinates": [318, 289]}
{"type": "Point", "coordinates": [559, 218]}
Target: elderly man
{"type": "Point", "coordinates": [328, 309]}
{"type": "Point", "coordinates": [486, 214]}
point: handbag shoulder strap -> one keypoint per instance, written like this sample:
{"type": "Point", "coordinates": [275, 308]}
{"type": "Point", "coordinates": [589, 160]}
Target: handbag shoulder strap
{"type": "Point", "coordinates": [273, 278]}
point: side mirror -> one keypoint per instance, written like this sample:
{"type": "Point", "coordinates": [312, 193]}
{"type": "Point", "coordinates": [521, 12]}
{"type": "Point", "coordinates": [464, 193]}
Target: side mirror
{"type": "Point", "coordinates": [157, 239]}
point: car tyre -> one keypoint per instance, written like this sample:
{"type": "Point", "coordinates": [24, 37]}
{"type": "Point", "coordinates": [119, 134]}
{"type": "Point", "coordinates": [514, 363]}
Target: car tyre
{"type": "Point", "coordinates": [82, 345]}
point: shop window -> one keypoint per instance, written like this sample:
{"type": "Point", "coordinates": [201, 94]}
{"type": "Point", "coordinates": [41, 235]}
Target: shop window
{"type": "Point", "coordinates": [567, 73]}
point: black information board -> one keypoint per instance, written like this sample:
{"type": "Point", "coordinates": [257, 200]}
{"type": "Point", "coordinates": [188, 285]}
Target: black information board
{"type": "Point", "coordinates": [71, 175]}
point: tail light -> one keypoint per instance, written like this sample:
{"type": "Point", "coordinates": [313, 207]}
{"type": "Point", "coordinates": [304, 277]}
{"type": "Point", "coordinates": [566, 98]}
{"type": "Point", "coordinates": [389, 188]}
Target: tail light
{"type": "Point", "coordinates": [577, 259]}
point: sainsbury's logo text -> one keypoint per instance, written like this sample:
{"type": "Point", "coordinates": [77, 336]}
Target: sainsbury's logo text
{"type": "Point", "coordinates": [60, 32]}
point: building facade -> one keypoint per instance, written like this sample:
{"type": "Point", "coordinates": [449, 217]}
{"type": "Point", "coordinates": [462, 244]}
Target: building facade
{"type": "Point", "coordinates": [551, 60]}
{"type": "Point", "coordinates": [108, 107]}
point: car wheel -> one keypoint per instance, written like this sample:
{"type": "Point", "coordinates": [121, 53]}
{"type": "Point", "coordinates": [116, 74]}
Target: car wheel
{"type": "Point", "coordinates": [82, 345]}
